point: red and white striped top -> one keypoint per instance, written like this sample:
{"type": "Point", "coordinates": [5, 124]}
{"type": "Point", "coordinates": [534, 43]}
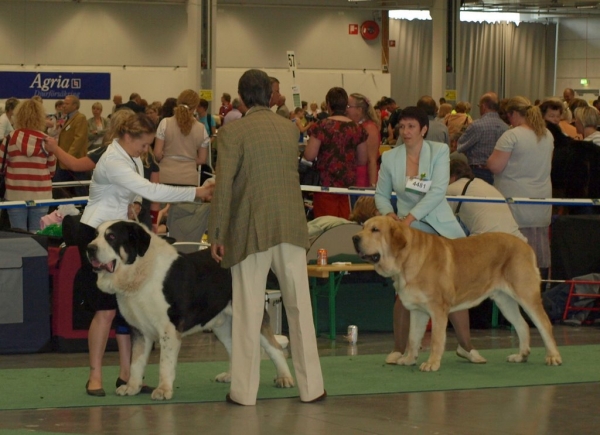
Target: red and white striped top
{"type": "Point", "coordinates": [29, 167]}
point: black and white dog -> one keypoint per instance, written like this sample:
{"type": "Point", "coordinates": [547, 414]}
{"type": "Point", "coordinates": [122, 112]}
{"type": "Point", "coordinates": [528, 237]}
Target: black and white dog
{"type": "Point", "coordinates": [165, 295]}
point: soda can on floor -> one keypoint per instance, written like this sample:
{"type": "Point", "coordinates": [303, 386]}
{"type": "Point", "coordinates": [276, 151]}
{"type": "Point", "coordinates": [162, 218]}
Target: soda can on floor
{"type": "Point", "coordinates": [322, 257]}
{"type": "Point", "coordinates": [352, 334]}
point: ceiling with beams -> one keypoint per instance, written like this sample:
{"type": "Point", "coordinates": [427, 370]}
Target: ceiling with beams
{"type": "Point", "coordinates": [549, 8]}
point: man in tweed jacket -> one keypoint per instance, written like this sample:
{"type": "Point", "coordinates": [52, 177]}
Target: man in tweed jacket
{"type": "Point", "coordinates": [257, 222]}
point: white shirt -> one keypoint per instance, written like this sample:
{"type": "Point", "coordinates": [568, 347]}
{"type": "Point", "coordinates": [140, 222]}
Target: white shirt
{"type": "Point", "coordinates": [116, 181]}
{"type": "Point", "coordinates": [483, 217]}
{"type": "Point", "coordinates": [5, 126]}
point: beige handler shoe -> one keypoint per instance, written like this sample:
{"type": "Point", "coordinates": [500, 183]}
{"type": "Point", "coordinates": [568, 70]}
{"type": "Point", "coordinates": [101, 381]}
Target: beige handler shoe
{"type": "Point", "coordinates": [473, 356]}
{"type": "Point", "coordinates": [393, 357]}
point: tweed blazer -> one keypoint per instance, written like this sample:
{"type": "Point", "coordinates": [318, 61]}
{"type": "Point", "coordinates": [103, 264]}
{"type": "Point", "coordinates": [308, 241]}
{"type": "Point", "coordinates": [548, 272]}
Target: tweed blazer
{"type": "Point", "coordinates": [432, 208]}
{"type": "Point", "coordinates": [257, 203]}
{"type": "Point", "coordinates": [73, 137]}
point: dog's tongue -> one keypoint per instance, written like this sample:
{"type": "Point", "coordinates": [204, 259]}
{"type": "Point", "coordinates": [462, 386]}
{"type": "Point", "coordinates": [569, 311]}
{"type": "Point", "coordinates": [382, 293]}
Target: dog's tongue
{"type": "Point", "coordinates": [110, 267]}
{"type": "Point", "coordinates": [96, 264]}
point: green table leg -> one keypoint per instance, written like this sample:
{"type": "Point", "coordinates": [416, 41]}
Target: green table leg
{"type": "Point", "coordinates": [332, 292]}
{"type": "Point", "coordinates": [494, 315]}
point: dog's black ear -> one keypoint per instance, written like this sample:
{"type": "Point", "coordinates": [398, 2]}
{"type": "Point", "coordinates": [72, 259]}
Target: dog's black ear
{"type": "Point", "coordinates": [139, 241]}
{"type": "Point", "coordinates": [143, 240]}
{"type": "Point", "coordinates": [397, 236]}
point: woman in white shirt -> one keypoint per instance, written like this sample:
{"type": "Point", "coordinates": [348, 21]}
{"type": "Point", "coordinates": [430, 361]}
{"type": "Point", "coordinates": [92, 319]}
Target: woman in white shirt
{"type": "Point", "coordinates": [6, 118]}
{"type": "Point", "coordinates": [521, 164]}
{"type": "Point", "coordinates": [117, 180]}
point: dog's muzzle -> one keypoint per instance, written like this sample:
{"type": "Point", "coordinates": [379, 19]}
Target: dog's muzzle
{"type": "Point", "coordinates": [371, 258]}
{"type": "Point", "coordinates": [97, 265]}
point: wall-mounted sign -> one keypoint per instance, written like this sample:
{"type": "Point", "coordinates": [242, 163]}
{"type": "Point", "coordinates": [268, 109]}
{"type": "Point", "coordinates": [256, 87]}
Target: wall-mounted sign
{"type": "Point", "coordinates": [291, 60]}
{"type": "Point", "coordinates": [55, 85]}
{"type": "Point", "coordinates": [392, 42]}
{"type": "Point", "coordinates": [450, 94]}
{"type": "Point", "coordinates": [206, 94]}
{"type": "Point", "coordinates": [353, 29]}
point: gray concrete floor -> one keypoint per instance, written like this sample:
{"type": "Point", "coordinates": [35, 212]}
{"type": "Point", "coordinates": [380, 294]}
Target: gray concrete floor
{"type": "Point", "coordinates": [565, 409]}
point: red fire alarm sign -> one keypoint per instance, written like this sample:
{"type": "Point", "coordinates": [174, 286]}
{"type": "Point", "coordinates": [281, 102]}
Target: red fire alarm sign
{"type": "Point", "coordinates": [353, 29]}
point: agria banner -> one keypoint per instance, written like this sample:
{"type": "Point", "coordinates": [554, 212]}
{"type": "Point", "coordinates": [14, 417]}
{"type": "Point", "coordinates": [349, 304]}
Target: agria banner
{"type": "Point", "coordinates": [55, 85]}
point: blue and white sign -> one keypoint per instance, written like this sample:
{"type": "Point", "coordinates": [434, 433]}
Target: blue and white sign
{"type": "Point", "coordinates": [55, 85]}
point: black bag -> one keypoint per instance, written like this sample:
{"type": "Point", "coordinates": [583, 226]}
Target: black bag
{"type": "Point", "coordinates": [309, 175]}
{"type": "Point", "coordinates": [3, 169]}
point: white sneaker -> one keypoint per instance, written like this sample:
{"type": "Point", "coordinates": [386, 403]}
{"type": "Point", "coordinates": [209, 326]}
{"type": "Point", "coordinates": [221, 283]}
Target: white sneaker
{"type": "Point", "coordinates": [393, 357]}
{"type": "Point", "coordinates": [473, 356]}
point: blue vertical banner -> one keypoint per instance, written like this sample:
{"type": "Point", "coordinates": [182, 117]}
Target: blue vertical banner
{"type": "Point", "coordinates": [55, 85]}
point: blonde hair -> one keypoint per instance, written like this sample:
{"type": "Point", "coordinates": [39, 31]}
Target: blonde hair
{"type": "Point", "coordinates": [135, 125]}
{"type": "Point", "coordinates": [461, 107]}
{"type": "Point", "coordinates": [367, 108]}
{"type": "Point", "coordinates": [364, 209]}
{"type": "Point", "coordinates": [532, 114]}
{"type": "Point", "coordinates": [588, 116]}
{"type": "Point", "coordinates": [116, 120]}
{"type": "Point", "coordinates": [97, 105]}
{"type": "Point", "coordinates": [444, 110]}
{"type": "Point", "coordinates": [30, 115]}
{"type": "Point", "coordinates": [187, 100]}
{"type": "Point", "coordinates": [148, 158]}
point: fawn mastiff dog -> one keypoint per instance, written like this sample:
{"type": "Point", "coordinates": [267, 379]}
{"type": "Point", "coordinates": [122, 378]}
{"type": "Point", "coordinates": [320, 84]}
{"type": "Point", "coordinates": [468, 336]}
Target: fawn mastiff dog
{"type": "Point", "coordinates": [434, 276]}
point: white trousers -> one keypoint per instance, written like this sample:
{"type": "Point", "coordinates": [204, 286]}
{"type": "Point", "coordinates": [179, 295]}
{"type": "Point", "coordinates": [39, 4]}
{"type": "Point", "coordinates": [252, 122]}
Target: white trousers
{"type": "Point", "coordinates": [249, 284]}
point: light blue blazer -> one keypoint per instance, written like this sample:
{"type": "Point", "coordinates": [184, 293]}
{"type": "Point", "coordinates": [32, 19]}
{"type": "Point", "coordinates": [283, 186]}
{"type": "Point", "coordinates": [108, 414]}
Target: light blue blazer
{"type": "Point", "coordinates": [432, 207]}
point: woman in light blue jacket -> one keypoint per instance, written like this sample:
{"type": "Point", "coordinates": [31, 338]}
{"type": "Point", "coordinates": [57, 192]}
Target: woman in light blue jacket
{"type": "Point", "coordinates": [419, 171]}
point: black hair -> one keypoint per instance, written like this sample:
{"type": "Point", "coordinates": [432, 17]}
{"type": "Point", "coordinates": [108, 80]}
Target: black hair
{"type": "Point", "coordinates": [417, 114]}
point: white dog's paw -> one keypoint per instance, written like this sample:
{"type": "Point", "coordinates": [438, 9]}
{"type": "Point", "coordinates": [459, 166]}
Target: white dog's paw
{"type": "Point", "coordinates": [393, 358]}
{"type": "Point", "coordinates": [429, 366]}
{"type": "Point", "coordinates": [517, 358]}
{"type": "Point", "coordinates": [553, 360]}
{"type": "Point", "coordinates": [284, 382]}
{"type": "Point", "coordinates": [407, 361]}
{"type": "Point", "coordinates": [162, 394]}
{"type": "Point", "coordinates": [224, 377]}
{"type": "Point", "coordinates": [127, 390]}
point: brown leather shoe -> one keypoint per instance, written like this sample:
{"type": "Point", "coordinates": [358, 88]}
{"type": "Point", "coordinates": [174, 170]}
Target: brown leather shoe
{"type": "Point", "coordinates": [96, 393]}
{"type": "Point", "coordinates": [318, 399]}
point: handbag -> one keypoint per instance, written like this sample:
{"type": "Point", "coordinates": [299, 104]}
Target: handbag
{"type": "Point", "coordinates": [458, 219]}
{"type": "Point", "coordinates": [3, 169]}
{"type": "Point", "coordinates": [309, 175]}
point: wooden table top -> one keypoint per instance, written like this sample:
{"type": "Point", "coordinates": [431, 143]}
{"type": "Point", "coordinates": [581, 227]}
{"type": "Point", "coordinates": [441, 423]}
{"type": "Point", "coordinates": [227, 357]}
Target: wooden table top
{"type": "Point", "coordinates": [316, 271]}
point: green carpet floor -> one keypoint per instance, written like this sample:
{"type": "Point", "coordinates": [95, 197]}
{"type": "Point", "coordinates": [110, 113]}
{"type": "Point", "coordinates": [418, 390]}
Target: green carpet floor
{"type": "Point", "coordinates": [344, 375]}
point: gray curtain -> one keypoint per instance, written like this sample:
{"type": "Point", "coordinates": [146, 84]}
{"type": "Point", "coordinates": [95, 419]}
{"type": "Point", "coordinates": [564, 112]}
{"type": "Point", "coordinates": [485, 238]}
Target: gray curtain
{"type": "Point", "coordinates": [410, 62]}
{"type": "Point", "coordinates": [480, 61]}
{"type": "Point", "coordinates": [526, 60]}
{"type": "Point", "coordinates": [505, 58]}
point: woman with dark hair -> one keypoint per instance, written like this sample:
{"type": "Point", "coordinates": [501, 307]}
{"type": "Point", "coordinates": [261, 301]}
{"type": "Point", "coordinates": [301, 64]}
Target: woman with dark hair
{"type": "Point", "coordinates": [168, 107]}
{"type": "Point", "coordinates": [419, 171]}
{"type": "Point", "coordinates": [181, 143]}
{"type": "Point", "coordinates": [118, 178]}
{"type": "Point", "coordinates": [339, 145]}
{"type": "Point", "coordinates": [361, 111]}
